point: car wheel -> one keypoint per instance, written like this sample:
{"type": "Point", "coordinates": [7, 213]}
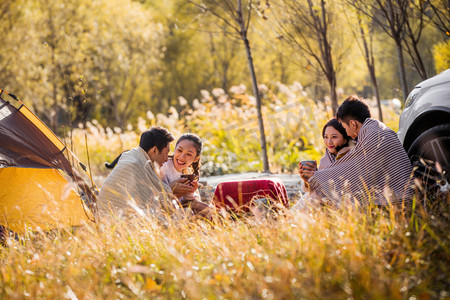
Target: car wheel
{"type": "Point", "coordinates": [430, 156]}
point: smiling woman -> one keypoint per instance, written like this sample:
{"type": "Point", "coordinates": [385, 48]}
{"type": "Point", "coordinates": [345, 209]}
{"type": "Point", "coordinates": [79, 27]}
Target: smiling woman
{"type": "Point", "coordinates": [334, 136]}
{"type": "Point", "coordinates": [185, 155]}
{"type": "Point", "coordinates": [336, 141]}
{"type": "Point", "coordinates": [185, 160]}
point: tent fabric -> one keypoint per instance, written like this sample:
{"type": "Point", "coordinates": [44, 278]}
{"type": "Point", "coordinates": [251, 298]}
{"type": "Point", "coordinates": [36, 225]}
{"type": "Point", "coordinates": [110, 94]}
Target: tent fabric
{"type": "Point", "coordinates": [39, 198]}
{"type": "Point", "coordinates": [26, 142]}
{"type": "Point", "coordinates": [33, 191]}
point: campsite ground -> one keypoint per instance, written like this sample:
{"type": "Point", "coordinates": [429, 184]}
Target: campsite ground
{"type": "Point", "coordinates": [292, 183]}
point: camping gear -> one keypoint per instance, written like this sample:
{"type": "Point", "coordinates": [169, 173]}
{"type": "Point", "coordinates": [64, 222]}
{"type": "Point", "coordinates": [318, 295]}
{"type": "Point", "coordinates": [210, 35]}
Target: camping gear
{"type": "Point", "coordinates": [38, 174]}
{"type": "Point", "coordinates": [239, 196]}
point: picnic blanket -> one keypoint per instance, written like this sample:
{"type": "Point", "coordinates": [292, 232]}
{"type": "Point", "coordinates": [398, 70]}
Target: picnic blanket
{"type": "Point", "coordinates": [134, 184]}
{"type": "Point", "coordinates": [327, 160]}
{"type": "Point", "coordinates": [376, 169]}
{"type": "Point", "coordinates": [238, 195]}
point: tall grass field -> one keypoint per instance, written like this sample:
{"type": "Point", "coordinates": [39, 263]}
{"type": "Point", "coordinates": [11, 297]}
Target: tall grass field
{"type": "Point", "coordinates": [318, 253]}
{"type": "Point", "coordinates": [314, 253]}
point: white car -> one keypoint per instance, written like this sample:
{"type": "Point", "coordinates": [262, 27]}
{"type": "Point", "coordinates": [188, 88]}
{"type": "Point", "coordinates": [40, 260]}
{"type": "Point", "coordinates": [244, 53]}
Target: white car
{"type": "Point", "coordinates": [424, 129]}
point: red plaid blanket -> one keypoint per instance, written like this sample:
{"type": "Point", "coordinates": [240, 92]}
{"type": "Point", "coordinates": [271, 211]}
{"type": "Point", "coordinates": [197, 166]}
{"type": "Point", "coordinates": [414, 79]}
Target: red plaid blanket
{"type": "Point", "coordinates": [238, 195]}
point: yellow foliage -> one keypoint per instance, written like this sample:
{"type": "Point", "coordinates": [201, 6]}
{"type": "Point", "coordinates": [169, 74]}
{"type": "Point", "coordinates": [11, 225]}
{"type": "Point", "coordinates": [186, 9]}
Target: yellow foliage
{"type": "Point", "coordinates": [442, 56]}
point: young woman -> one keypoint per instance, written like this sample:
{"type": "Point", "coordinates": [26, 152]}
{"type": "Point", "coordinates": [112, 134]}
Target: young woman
{"type": "Point", "coordinates": [186, 160]}
{"type": "Point", "coordinates": [336, 141]}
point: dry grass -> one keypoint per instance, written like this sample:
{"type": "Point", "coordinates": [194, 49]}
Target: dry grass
{"type": "Point", "coordinates": [320, 253]}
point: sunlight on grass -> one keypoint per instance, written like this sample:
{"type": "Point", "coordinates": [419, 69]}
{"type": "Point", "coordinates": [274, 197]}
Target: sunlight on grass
{"type": "Point", "coordinates": [320, 253]}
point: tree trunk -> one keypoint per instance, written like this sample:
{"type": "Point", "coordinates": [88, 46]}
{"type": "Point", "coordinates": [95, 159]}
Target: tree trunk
{"type": "Point", "coordinates": [370, 62]}
{"type": "Point", "coordinates": [414, 37]}
{"type": "Point", "coordinates": [258, 107]}
{"type": "Point", "coordinates": [418, 61]}
{"type": "Point", "coordinates": [376, 90]}
{"type": "Point", "coordinates": [251, 68]}
{"type": "Point", "coordinates": [334, 101]}
{"type": "Point", "coordinates": [401, 69]}
{"type": "Point", "coordinates": [322, 29]}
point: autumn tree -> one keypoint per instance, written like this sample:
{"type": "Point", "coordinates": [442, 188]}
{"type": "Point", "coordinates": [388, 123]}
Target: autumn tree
{"type": "Point", "coordinates": [415, 23]}
{"type": "Point", "coordinates": [223, 54]}
{"type": "Point", "coordinates": [390, 16]}
{"type": "Point", "coordinates": [312, 27]}
{"type": "Point", "coordinates": [439, 14]}
{"type": "Point", "coordinates": [46, 63]}
{"type": "Point", "coordinates": [125, 51]}
{"type": "Point", "coordinates": [9, 29]}
{"type": "Point", "coordinates": [237, 17]}
{"type": "Point", "coordinates": [364, 37]}
{"type": "Point", "coordinates": [79, 60]}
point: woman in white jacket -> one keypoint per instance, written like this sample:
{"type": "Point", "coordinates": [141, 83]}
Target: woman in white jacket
{"type": "Point", "coordinates": [185, 161]}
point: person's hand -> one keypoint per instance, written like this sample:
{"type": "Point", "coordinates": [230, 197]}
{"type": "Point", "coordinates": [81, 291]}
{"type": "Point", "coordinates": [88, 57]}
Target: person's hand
{"type": "Point", "coordinates": [307, 171]}
{"type": "Point", "coordinates": [194, 184]}
{"type": "Point", "coordinates": [186, 200]}
{"type": "Point", "coordinates": [189, 197]}
{"type": "Point", "coordinates": [182, 187]}
{"type": "Point", "coordinates": [202, 209]}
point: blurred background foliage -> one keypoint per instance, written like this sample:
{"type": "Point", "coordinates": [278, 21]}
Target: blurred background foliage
{"type": "Point", "coordinates": [228, 126]}
{"type": "Point", "coordinates": [108, 69]}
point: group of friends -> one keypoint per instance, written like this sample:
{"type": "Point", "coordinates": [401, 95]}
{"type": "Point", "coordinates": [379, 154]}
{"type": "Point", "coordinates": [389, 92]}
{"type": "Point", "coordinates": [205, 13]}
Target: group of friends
{"type": "Point", "coordinates": [364, 161]}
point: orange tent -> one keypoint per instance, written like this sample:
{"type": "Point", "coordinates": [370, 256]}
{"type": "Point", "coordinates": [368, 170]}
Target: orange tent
{"type": "Point", "coordinates": [39, 186]}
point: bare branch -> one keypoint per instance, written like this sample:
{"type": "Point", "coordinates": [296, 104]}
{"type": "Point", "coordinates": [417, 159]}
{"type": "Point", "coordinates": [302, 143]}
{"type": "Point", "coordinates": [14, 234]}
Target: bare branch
{"type": "Point", "coordinates": [443, 17]}
{"type": "Point", "coordinates": [249, 14]}
{"type": "Point", "coordinates": [217, 15]}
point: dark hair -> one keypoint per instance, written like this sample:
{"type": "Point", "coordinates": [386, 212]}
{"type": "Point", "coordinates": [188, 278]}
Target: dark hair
{"type": "Point", "coordinates": [353, 108]}
{"type": "Point", "coordinates": [338, 126]}
{"type": "Point", "coordinates": [155, 136]}
{"type": "Point", "coordinates": [198, 146]}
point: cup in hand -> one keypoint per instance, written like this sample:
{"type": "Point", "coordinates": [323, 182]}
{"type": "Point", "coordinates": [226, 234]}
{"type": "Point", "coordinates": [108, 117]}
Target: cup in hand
{"type": "Point", "coordinates": [190, 177]}
{"type": "Point", "coordinates": [305, 163]}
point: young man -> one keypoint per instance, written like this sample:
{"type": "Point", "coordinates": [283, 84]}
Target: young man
{"type": "Point", "coordinates": [134, 183]}
{"type": "Point", "coordinates": [376, 169]}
